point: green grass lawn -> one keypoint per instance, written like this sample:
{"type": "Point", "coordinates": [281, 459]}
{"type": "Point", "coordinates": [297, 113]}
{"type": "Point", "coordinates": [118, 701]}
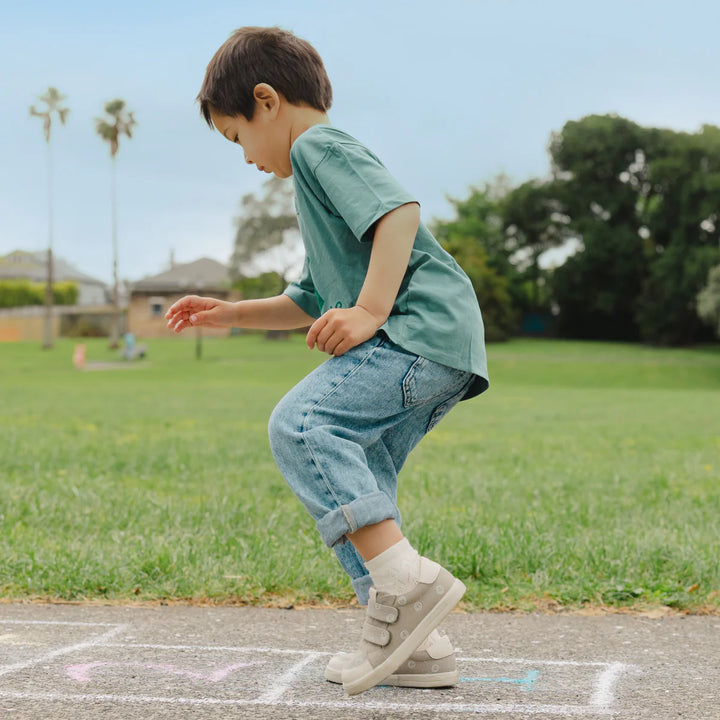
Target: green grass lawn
{"type": "Point", "coordinates": [589, 474]}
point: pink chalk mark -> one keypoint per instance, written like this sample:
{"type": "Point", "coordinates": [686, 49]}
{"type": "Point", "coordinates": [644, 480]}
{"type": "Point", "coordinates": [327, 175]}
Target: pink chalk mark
{"type": "Point", "coordinates": [81, 672]}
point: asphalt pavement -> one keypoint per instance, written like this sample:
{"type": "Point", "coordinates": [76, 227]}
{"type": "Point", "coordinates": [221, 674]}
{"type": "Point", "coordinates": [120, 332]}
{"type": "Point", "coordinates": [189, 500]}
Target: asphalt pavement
{"type": "Point", "coordinates": [77, 662]}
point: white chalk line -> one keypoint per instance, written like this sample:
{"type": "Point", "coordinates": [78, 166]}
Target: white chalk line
{"type": "Point", "coordinates": [479, 709]}
{"type": "Point", "coordinates": [284, 682]}
{"type": "Point", "coordinates": [604, 696]}
{"type": "Point", "coordinates": [601, 699]}
{"type": "Point", "coordinates": [525, 661]}
{"type": "Point", "coordinates": [99, 640]}
{"type": "Point", "coordinates": [223, 648]}
{"type": "Point", "coordinates": [230, 648]}
{"type": "Point", "coordinates": [318, 653]}
{"type": "Point", "coordinates": [57, 622]}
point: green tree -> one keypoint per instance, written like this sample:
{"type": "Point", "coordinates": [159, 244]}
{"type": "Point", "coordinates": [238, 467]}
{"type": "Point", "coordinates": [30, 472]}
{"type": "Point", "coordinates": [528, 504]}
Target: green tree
{"type": "Point", "coordinates": [264, 285]}
{"type": "Point", "coordinates": [267, 238]}
{"type": "Point", "coordinates": [708, 301]}
{"type": "Point", "coordinates": [480, 217]}
{"type": "Point", "coordinates": [264, 227]}
{"type": "Point", "coordinates": [51, 100]}
{"type": "Point", "coordinates": [599, 166]}
{"type": "Point", "coordinates": [476, 238]}
{"type": "Point", "coordinates": [118, 121]}
{"type": "Point", "coordinates": [535, 221]}
{"type": "Point", "coordinates": [643, 201]}
{"type": "Point", "coordinates": [597, 288]}
{"type": "Point", "coordinates": [680, 213]}
{"type": "Point", "coordinates": [500, 318]}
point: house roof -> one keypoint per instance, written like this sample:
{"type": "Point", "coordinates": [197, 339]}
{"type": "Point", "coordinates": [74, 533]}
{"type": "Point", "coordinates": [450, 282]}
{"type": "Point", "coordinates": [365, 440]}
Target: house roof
{"type": "Point", "coordinates": [25, 265]}
{"type": "Point", "coordinates": [202, 275]}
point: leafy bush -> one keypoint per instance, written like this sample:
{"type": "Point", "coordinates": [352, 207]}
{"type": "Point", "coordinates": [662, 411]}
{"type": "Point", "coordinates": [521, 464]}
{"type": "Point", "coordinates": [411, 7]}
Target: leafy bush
{"type": "Point", "coordinates": [65, 293]}
{"type": "Point", "coordinates": [20, 293]}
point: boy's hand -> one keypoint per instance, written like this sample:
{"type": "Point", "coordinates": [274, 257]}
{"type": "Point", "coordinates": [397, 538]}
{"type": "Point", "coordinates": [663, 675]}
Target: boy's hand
{"type": "Point", "coordinates": [194, 311]}
{"type": "Point", "coordinates": [339, 330]}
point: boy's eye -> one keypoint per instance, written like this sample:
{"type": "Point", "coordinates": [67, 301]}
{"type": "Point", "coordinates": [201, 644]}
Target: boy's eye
{"type": "Point", "coordinates": [236, 140]}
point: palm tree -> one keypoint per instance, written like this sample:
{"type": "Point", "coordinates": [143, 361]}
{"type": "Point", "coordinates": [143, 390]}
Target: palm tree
{"type": "Point", "coordinates": [52, 99]}
{"type": "Point", "coordinates": [119, 121]}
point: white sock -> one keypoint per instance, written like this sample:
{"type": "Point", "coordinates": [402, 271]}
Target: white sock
{"type": "Point", "coordinates": [396, 570]}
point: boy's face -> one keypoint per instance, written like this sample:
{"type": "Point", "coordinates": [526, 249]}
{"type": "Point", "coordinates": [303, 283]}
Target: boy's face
{"type": "Point", "coordinates": [262, 139]}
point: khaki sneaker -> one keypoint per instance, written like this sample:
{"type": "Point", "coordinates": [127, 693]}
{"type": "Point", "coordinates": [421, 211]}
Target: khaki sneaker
{"type": "Point", "coordinates": [397, 624]}
{"type": "Point", "coordinates": [429, 668]}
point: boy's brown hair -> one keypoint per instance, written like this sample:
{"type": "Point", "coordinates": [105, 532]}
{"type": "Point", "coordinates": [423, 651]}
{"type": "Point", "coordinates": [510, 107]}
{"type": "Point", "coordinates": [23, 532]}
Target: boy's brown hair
{"type": "Point", "coordinates": [253, 55]}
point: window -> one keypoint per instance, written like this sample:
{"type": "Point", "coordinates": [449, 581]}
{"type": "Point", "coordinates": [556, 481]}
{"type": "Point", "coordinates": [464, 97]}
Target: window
{"type": "Point", "coordinates": [157, 306]}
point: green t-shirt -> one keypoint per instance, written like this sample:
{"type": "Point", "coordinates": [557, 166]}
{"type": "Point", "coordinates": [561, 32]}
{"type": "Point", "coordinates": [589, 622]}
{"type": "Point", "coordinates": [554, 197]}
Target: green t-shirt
{"type": "Point", "coordinates": [341, 191]}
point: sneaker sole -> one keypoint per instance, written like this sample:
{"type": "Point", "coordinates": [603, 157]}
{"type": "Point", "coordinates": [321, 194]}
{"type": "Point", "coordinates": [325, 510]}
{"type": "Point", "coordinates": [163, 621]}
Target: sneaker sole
{"type": "Point", "coordinates": [408, 647]}
{"type": "Point", "coordinates": [434, 680]}
{"type": "Point", "coordinates": [417, 680]}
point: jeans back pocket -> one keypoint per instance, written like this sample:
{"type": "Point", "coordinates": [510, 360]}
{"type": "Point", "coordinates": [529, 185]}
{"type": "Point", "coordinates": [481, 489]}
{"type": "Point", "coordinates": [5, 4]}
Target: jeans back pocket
{"type": "Point", "coordinates": [426, 381]}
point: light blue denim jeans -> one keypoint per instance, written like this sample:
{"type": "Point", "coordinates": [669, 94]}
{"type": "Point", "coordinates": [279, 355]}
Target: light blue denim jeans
{"type": "Point", "coordinates": [341, 435]}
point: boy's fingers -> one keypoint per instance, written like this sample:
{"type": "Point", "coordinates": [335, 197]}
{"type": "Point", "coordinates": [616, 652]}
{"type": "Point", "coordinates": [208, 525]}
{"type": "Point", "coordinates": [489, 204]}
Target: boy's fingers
{"type": "Point", "coordinates": [179, 321]}
{"type": "Point", "coordinates": [332, 342]}
{"type": "Point", "coordinates": [342, 348]}
{"type": "Point", "coordinates": [198, 318]}
{"type": "Point", "coordinates": [175, 308]}
{"type": "Point", "coordinates": [326, 334]}
{"type": "Point", "coordinates": [174, 318]}
{"type": "Point", "coordinates": [185, 303]}
{"type": "Point", "coordinates": [186, 313]}
{"type": "Point", "coordinates": [314, 331]}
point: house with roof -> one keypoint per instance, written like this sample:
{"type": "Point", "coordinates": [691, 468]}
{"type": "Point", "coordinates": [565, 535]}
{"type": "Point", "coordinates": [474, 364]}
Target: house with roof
{"type": "Point", "coordinates": [25, 265]}
{"type": "Point", "coordinates": [151, 297]}
{"type": "Point", "coordinates": [92, 315]}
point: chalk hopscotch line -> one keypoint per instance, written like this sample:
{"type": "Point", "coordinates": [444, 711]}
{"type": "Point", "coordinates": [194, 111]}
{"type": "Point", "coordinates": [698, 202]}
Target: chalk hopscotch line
{"type": "Point", "coordinates": [97, 641]}
{"type": "Point", "coordinates": [602, 697]}
{"type": "Point", "coordinates": [526, 661]}
{"type": "Point", "coordinates": [526, 683]}
{"type": "Point", "coordinates": [476, 708]}
{"type": "Point", "coordinates": [222, 648]}
{"type": "Point", "coordinates": [58, 622]}
{"type": "Point", "coordinates": [82, 672]}
{"type": "Point", "coordinates": [599, 706]}
{"type": "Point", "coordinates": [284, 682]}
{"type": "Point", "coordinates": [600, 703]}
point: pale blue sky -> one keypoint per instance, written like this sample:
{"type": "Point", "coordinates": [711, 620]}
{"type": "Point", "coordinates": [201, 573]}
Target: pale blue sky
{"type": "Point", "coordinates": [448, 94]}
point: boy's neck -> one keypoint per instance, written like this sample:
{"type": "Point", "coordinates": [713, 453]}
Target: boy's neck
{"type": "Point", "coordinates": [302, 118]}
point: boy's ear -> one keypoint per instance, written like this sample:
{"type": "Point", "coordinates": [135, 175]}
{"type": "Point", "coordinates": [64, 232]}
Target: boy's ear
{"type": "Point", "coordinates": [266, 98]}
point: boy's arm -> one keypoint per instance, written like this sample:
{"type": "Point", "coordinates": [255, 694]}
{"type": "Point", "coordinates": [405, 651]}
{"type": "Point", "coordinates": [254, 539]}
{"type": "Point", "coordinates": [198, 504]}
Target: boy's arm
{"type": "Point", "coordinates": [275, 313]}
{"type": "Point", "coordinates": [339, 330]}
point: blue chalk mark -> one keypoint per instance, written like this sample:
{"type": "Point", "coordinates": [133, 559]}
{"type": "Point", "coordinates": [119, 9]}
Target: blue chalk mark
{"type": "Point", "coordinates": [527, 683]}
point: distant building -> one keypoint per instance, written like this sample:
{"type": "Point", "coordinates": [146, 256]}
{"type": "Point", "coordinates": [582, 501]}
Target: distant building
{"type": "Point", "coordinates": [151, 297]}
{"type": "Point", "coordinates": [92, 315]}
{"type": "Point", "coordinates": [24, 265]}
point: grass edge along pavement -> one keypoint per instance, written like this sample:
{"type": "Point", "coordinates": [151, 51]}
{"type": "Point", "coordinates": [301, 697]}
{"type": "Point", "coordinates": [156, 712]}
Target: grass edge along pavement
{"type": "Point", "coordinates": [587, 477]}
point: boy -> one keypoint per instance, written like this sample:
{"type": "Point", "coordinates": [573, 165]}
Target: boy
{"type": "Point", "coordinates": [401, 323]}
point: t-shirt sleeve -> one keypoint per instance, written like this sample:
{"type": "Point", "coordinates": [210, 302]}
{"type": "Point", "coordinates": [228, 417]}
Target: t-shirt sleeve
{"type": "Point", "coordinates": [359, 187]}
{"type": "Point", "coordinates": [302, 292]}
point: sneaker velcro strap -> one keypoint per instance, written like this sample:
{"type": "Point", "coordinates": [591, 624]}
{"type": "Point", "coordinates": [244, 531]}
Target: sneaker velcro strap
{"type": "Point", "coordinates": [383, 613]}
{"type": "Point", "coordinates": [376, 635]}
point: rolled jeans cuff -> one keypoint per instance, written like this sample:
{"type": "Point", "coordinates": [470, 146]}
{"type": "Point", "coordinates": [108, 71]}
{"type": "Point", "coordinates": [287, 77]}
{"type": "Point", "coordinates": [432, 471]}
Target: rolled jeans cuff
{"type": "Point", "coordinates": [365, 510]}
{"type": "Point", "coordinates": [362, 587]}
